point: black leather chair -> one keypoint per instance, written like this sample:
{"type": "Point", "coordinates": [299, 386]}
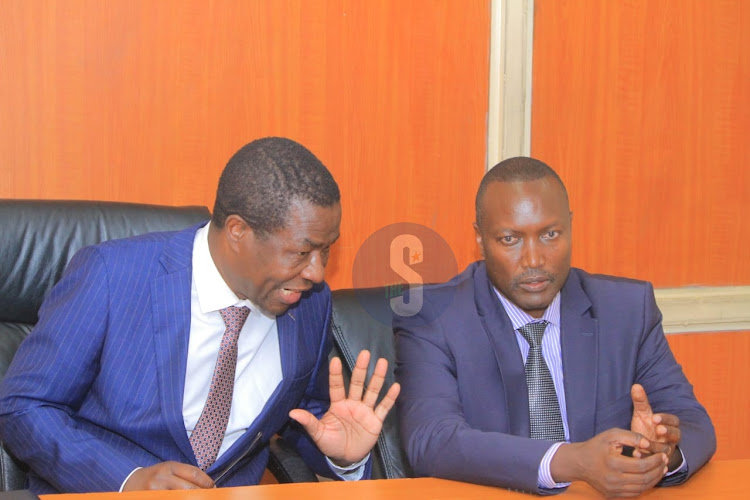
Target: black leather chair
{"type": "Point", "coordinates": [39, 237]}
{"type": "Point", "coordinates": [361, 320]}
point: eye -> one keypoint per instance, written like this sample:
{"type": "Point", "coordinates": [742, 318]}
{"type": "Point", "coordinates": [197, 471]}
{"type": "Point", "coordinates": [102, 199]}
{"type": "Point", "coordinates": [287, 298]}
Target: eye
{"type": "Point", "coordinates": [551, 235]}
{"type": "Point", "coordinates": [508, 240]}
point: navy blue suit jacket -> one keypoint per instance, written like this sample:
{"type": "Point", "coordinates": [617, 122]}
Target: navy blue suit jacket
{"type": "Point", "coordinates": [464, 405]}
{"type": "Point", "coordinates": [96, 389]}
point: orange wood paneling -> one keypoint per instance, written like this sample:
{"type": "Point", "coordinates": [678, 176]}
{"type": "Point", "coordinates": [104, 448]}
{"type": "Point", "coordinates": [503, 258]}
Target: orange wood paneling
{"type": "Point", "coordinates": [644, 109]}
{"type": "Point", "coordinates": [143, 101]}
{"type": "Point", "coordinates": [708, 359]}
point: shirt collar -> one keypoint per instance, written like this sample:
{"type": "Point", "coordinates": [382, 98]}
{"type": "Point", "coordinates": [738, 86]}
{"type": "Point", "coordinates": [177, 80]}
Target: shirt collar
{"type": "Point", "coordinates": [213, 292]}
{"type": "Point", "coordinates": [519, 318]}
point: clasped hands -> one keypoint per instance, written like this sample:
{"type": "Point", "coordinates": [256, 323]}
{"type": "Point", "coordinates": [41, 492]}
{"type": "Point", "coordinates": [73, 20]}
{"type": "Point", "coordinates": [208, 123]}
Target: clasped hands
{"type": "Point", "coordinates": [599, 461]}
{"type": "Point", "coordinates": [345, 434]}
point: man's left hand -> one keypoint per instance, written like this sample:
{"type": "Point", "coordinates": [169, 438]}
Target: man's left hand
{"type": "Point", "coordinates": [350, 428]}
{"type": "Point", "coordinates": [661, 429]}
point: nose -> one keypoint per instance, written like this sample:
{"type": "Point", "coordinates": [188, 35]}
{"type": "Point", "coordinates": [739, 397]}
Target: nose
{"type": "Point", "coordinates": [533, 254]}
{"type": "Point", "coordinates": [315, 269]}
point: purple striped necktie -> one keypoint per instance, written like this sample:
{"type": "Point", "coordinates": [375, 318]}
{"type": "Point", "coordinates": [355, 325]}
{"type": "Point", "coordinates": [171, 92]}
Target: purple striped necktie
{"type": "Point", "coordinates": [209, 432]}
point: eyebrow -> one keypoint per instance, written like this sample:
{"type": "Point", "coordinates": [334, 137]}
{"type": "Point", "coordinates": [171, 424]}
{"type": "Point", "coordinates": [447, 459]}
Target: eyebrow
{"type": "Point", "coordinates": [314, 244]}
{"type": "Point", "coordinates": [545, 228]}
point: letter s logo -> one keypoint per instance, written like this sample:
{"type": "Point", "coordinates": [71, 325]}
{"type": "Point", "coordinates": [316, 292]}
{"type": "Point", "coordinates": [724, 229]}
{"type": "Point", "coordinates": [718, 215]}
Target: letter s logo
{"type": "Point", "coordinates": [414, 245]}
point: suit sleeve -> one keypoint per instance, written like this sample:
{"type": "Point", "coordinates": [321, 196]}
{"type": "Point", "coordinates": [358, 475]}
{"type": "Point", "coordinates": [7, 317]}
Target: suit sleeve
{"type": "Point", "coordinates": [49, 379]}
{"type": "Point", "coordinates": [439, 441]}
{"type": "Point", "coordinates": [669, 391]}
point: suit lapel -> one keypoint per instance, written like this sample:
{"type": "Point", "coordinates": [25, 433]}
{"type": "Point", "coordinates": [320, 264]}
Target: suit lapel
{"type": "Point", "coordinates": [170, 293]}
{"type": "Point", "coordinates": [578, 338]}
{"type": "Point", "coordinates": [502, 337]}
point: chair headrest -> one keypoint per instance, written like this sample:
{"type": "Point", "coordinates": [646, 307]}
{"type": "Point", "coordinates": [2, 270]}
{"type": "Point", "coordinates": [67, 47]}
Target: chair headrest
{"type": "Point", "coordinates": [39, 237]}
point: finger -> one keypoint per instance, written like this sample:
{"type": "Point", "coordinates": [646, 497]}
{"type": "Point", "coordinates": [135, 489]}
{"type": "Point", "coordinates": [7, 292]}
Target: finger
{"type": "Point", "coordinates": [357, 384]}
{"type": "Point", "coordinates": [618, 438]}
{"type": "Point", "coordinates": [658, 447]}
{"type": "Point", "coordinates": [376, 383]}
{"type": "Point", "coordinates": [336, 389]}
{"type": "Point", "coordinates": [668, 434]}
{"type": "Point", "coordinates": [171, 482]}
{"type": "Point", "coordinates": [666, 419]}
{"type": "Point", "coordinates": [638, 482]}
{"type": "Point", "coordinates": [638, 466]}
{"type": "Point", "coordinates": [641, 405]}
{"type": "Point", "coordinates": [192, 475]}
{"type": "Point", "coordinates": [308, 421]}
{"type": "Point", "coordinates": [388, 401]}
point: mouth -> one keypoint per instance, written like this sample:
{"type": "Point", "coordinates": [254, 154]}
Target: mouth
{"type": "Point", "coordinates": [291, 296]}
{"type": "Point", "coordinates": [534, 285]}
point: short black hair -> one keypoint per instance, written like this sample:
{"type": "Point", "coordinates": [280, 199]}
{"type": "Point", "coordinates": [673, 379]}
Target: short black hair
{"type": "Point", "coordinates": [517, 169]}
{"type": "Point", "coordinates": [264, 177]}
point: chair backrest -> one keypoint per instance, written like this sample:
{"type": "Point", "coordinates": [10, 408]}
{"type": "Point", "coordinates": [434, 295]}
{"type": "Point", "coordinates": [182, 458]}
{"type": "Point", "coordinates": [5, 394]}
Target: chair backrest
{"type": "Point", "coordinates": [361, 320]}
{"type": "Point", "coordinates": [39, 238]}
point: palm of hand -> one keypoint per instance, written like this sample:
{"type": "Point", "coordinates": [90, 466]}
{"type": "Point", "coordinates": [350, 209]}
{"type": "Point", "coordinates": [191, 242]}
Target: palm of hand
{"type": "Point", "coordinates": [348, 430]}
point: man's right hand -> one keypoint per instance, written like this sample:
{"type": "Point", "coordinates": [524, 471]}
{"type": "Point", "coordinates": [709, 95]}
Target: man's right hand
{"type": "Point", "coordinates": [168, 476]}
{"type": "Point", "coordinates": [600, 462]}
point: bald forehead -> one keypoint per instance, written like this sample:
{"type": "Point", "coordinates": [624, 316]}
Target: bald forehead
{"type": "Point", "coordinates": [506, 197]}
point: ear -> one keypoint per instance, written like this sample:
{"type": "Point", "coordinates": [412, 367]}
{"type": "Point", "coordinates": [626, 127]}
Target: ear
{"type": "Point", "coordinates": [235, 229]}
{"type": "Point", "coordinates": [478, 234]}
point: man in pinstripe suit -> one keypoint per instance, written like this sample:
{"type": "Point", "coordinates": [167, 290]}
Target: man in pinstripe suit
{"type": "Point", "coordinates": [106, 391]}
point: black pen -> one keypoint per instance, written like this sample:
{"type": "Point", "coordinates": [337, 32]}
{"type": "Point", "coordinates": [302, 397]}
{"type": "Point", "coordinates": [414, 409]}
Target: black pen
{"type": "Point", "coordinates": [242, 455]}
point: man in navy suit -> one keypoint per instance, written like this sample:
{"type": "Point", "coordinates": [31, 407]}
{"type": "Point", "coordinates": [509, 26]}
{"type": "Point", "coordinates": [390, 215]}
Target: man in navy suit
{"type": "Point", "coordinates": [594, 395]}
{"type": "Point", "coordinates": [128, 382]}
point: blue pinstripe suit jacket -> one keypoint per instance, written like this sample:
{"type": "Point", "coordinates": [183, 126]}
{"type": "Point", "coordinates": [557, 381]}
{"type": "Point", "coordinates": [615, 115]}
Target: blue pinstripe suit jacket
{"type": "Point", "coordinates": [96, 389]}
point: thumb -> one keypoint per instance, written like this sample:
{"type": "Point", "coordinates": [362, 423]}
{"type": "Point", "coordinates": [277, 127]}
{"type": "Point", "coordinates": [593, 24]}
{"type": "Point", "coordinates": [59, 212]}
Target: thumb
{"type": "Point", "coordinates": [641, 405]}
{"type": "Point", "coordinates": [307, 420]}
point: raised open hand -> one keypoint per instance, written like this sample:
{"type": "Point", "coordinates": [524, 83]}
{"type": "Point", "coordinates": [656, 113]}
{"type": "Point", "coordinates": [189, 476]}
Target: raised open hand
{"type": "Point", "coordinates": [350, 428]}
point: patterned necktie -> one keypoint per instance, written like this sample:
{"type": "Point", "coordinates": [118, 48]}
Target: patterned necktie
{"type": "Point", "coordinates": [209, 432]}
{"type": "Point", "coordinates": [544, 409]}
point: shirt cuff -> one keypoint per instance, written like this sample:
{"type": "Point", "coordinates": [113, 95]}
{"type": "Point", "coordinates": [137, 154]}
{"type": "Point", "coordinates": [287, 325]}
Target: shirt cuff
{"type": "Point", "coordinates": [682, 467]}
{"type": "Point", "coordinates": [126, 479]}
{"type": "Point", "coordinates": [354, 472]}
{"type": "Point", "coordinates": [545, 480]}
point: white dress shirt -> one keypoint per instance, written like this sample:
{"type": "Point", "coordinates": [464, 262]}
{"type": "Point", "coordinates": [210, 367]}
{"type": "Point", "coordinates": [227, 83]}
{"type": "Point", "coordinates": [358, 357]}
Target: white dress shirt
{"type": "Point", "coordinates": [258, 371]}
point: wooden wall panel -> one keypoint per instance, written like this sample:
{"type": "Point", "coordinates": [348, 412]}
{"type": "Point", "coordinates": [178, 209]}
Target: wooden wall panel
{"type": "Point", "coordinates": [708, 359]}
{"type": "Point", "coordinates": [142, 101]}
{"type": "Point", "coordinates": [643, 107]}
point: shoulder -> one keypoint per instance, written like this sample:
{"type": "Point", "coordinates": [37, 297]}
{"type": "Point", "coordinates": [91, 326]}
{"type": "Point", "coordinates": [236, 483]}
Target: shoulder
{"type": "Point", "coordinates": [452, 300]}
{"type": "Point", "coordinates": [461, 284]}
{"type": "Point", "coordinates": [604, 283]}
{"type": "Point", "coordinates": [607, 292]}
{"type": "Point", "coordinates": [149, 241]}
{"type": "Point", "coordinates": [146, 253]}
